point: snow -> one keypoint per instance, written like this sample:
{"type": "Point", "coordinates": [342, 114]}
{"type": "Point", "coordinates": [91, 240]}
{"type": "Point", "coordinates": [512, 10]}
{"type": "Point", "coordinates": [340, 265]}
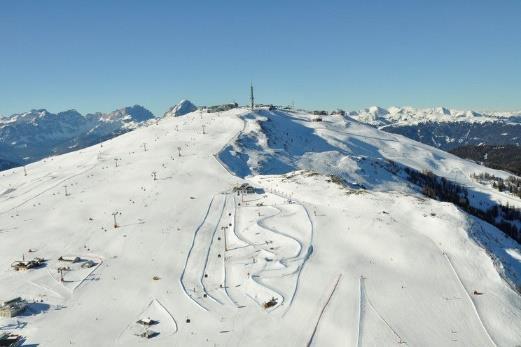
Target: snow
{"type": "Point", "coordinates": [341, 265]}
{"type": "Point", "coordinates": [182, 108]}
{"type": "Point", "coordinates": [380, 117]}
{"type": "Point", "coordinates": [345, 148]}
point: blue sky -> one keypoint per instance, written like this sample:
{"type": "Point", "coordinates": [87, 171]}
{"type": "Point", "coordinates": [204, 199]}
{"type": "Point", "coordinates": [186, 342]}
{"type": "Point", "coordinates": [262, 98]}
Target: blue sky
{"type": "Point", "coordinates": [100, 55]}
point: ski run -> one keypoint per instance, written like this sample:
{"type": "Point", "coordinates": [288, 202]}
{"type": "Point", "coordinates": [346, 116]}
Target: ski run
{"type": "Point", "coordinates": [232, 229]}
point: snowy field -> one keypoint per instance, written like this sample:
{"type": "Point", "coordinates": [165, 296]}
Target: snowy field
{"type": "Point", "coordinates": [302, 261]}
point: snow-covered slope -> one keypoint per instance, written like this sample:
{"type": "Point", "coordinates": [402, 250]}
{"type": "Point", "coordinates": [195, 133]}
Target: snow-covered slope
{"type": "Point", "coordinates": [302, 261]}
{"type": "Point", "coordinates": [30, 136]}
{"type": "Point", "coordinates": [444, 128]}
{"type": "Point", "coordinates": [279, 142]}
{"type": "Point", "coordinates": [182, 108]}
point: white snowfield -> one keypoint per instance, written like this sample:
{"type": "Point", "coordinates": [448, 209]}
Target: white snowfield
{"type": "Point", "coordinates": [303, 261]}
{"type": "Point", "coordinates": [380, 117]}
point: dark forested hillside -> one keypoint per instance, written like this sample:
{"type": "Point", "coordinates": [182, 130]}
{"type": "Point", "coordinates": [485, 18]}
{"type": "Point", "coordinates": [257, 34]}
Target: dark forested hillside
{"type": "Point", "coordinates": [6, 164]}
{"type": "Point", "coordinates": [450, 135]}
{"type": "Point", "coordinates": [504, 157]}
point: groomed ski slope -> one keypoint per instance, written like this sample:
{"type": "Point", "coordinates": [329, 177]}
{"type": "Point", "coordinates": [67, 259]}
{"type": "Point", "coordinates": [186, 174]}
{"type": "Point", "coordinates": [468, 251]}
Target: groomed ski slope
{"type": "Point", "coordinates": [380, 266]}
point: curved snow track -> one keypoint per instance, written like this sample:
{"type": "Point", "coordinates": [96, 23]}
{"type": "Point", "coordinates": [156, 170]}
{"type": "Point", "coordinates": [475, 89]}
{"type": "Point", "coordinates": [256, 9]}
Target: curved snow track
{"type": "Point", "coordinates": [247, 252]}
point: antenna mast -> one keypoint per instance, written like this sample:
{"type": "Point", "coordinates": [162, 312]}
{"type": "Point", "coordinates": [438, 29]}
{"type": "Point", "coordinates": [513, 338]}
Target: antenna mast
{"type": "Point", "coordinates": [252, 99]}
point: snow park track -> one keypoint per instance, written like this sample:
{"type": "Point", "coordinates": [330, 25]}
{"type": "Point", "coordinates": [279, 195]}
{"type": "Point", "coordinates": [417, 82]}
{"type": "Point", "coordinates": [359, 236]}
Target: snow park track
{"type": "Point", "coordinates": [193, 272]}
{"type": "Point", "coordinates": [304, 245]}
{"type": "Point", "coordinates": [261, 262]}
{"type": "Point", "coordinates": [309, 250]}
{"type": "Point", "coordinates": [260, 225]}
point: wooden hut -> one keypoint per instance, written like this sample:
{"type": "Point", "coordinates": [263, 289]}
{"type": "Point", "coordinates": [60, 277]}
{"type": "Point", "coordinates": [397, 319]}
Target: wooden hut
{"type": "Point", "coordinates": [10, 340]}
{"type": "Point", "coordinates": [244, 188]}
{"type": "Point", "coordinates": [69, 258]}
{"type": "Point", "coordinates": [13, 307]}
{"type": "Point", "coordinates": [21, 265]}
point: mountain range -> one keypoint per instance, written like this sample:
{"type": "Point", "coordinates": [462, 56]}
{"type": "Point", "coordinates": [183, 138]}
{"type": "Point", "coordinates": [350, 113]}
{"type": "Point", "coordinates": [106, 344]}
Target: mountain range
{"type": "Point", "coordinates": [445, 128]}
{"type": "Point", "coordinates": [30, 136]}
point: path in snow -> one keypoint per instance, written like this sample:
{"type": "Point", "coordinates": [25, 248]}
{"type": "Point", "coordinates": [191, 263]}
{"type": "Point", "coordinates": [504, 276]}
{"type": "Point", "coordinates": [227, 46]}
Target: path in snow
{"type": "Point", "coordinates": [247, 252]}
{"type": "Point", "coordinates": [194, 270]}
{"type": "Point", "coordinates": [324, 309]}
{"type": "Point", "coordinates": [164, 324]}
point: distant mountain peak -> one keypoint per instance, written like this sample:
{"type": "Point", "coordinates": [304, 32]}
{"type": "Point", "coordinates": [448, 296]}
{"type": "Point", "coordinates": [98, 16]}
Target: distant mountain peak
{"type": "Point", "coordinates": [443, 110]}
{"type": "Point", "coordinates": [182, 108]}
{"type": "Point", "coordinates": [136, 113]}
{"type": "Point", "coordinates": [378, 111]}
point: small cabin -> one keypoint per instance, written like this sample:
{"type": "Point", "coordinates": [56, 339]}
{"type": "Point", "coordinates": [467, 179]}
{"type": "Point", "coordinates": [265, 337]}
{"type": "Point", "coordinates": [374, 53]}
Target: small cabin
{"type": "Point", "coordinates": [12, 308]}
{"type": "Point", "coordinates": [21, 265]}
{"type": "Point", "coordinates": [339, 112]}
{"type": "Point", "coordinates": [221, 108]}
{"type": "Point", "coordinates": [10, 340]}
{"type": "Point", "coordinates": [270, 303]}
{"type": "Point", "coordinates": [148, 334]}
{"type": "Point", "coordinates": [88, 264]}
{"type": "Point", "coordinates": [244, 188]}
{"type": "Point", "coordinates": [147, 322]}
{"type": "Point", "coordinates": [69, 258]}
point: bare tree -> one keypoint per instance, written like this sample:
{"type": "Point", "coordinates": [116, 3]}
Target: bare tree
{"type": "Point", "coordinates": [66, 191]}
{"type": "Point", "coordinates": [25, 171]}
{"type": "Point", "coordinates": [154, 175]}
{"type": "Point", "coordinates": [179, 150]}
{"type": "Point", "coordinates": [145, 146]}
{"type": "Point", "coordinates": [116, 160]}
{"type": "Point", "coordinates": [204, 129]}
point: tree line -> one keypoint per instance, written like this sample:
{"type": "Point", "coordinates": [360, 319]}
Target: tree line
{"type": "Point", "coordinates": [502, 157]}
{"type": "Point", "coordinates": [503, 217]}
{"type": "Point", "coordinates": [511, 184]}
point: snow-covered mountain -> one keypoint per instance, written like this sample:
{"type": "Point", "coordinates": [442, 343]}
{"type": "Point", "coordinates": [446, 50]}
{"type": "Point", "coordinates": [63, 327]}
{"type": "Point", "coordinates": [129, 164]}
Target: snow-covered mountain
{"type": "Point", "coordinates": [30, 136]}
{"type": "Point", "coordinates": [378, 116]}
{"type": "Point", "coordinates": [337, 244]}
{"type": "Point", "coordinates": [445, 128]}
{"type": "Point", "coordinates": [182, 108]}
